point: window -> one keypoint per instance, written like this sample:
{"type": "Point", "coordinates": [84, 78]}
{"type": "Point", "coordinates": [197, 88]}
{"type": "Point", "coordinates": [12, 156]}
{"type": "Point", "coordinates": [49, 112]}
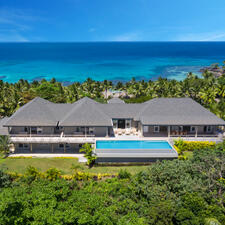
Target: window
{"type": "Point", "coordinates": [180, 128]}
{"type": "Point", "coordinates": [114, 123]}
{"type": "Point", "coordinates": [23, 145]}
{"type": "Point", "coordinates": [128, 123]}
{"type": "Point", "coordinates": [59, 128]}
{"type": "Point", "coordinates": [33, 130]}
{"type": "Point", "coordinates": [61, 145]}
{"type": "Point", "coordinates": [174, 128]}
{"type": "Point", "coordinates": [25, 129]}
{"type": "Point", "coordinates": [67, 146]}
{"type": "Point", "coordinates": [39, 130]}
{"type": "Point", "coordinates": [208, 129]}
{"type": "Point", "coordinates": [156, 129]}
{"type": "Point", "coordinates": [91, 130]}
{"type": "Point", "coordinates": [145, 129]}
{"type": "Point", "coordinates": [20, 145]}
{"type": "Point", "coordinates": [77, 129]}
{"type": "Point", "coordinates": [43, 144]}
{"type": "Point", "coordinates": [192, 129]}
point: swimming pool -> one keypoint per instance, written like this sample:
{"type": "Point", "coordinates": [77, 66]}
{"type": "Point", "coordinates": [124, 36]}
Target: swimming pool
{"type": "Point", "coordinates": [129, 144]}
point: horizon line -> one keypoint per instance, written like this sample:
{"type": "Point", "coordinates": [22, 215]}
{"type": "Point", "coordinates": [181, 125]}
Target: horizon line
{"type": "Point", "coordinates": [34, 42]}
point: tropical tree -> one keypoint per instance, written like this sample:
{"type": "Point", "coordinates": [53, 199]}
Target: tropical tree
{"type": "Point", "coordinates": [4, 144]}
{"type": "Point", "coordinates": [89, 154]}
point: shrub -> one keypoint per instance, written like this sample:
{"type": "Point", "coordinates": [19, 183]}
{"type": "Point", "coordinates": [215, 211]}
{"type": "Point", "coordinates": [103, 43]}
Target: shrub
{"type": "Point", "coordinates": [124, 174]}
{"type": "Point", "coordinates": [182, 146]}
{"type": "Point", "coordinates": [31, 174]}
{"type": "Point", "coordinates": [5, 179]}
{"type": "Point", "coordinates": [66, 157]}
{"type": "Point", "coordinates": [88, 154]}
{"type": "Point", "coordinates": [5, 144]}
{"type": "Point", "coordinates": [52, 174]}
{"type": "Point", "coordinates": [212, 221]}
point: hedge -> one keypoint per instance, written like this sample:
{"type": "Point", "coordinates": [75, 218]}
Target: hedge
{"type": "Point", "coordinates": [181, 146]}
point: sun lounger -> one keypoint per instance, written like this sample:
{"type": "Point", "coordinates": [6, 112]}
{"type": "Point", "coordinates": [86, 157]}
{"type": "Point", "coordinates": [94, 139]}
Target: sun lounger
{"type": "Point", "coordinates": [127, 131]}
{"type": "Point", "coordinates": [119, 132]}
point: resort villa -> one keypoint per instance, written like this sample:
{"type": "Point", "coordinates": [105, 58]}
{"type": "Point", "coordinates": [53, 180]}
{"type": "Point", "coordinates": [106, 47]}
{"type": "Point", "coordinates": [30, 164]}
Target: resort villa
{"type": "Point", "coordinates": [116, 129]}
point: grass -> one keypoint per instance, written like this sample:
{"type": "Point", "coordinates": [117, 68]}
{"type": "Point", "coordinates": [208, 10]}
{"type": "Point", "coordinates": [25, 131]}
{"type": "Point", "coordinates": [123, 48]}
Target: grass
{"type": "Point", "coordinates": [65, 165]}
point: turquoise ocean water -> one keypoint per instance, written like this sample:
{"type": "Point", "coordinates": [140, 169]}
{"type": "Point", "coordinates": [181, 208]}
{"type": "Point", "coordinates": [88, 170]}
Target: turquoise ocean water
{"type": "Point", "coordinates": [116, 61]}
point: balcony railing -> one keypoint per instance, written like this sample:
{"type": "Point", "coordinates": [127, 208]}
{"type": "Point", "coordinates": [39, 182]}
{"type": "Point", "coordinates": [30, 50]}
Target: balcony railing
{"type": "Point", "coordinates": [75, 134]}
{"type": "Point", "coordinates": [34, 135]}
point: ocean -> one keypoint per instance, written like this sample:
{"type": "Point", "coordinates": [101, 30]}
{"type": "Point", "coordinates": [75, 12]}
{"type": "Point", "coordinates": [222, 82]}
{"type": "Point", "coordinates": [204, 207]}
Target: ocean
{"type": "Point", "coordinates": [115, 61]}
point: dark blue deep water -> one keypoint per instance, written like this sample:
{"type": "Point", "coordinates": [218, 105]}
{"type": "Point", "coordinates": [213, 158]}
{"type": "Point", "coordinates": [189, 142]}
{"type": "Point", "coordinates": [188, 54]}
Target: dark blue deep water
{"type": "Point", "coordinates": [116, 61]}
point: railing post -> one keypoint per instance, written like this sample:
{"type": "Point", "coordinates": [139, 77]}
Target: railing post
{"type": "Point", "coordinates": [196, 131]}
{"type": "Point", "coordinates": [31, 147]}
{"type": "Point", "coordinates": [168, 131]}
{"type": "Point", "coordinates": [107, 133]}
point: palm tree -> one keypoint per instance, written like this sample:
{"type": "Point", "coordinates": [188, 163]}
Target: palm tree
{"type": "Point", "coordinates": [5, 144]}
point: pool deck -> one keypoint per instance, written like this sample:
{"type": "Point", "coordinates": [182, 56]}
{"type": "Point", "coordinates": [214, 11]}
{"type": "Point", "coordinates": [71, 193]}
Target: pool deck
{"type": "Point", "coordinates": [136, 153]}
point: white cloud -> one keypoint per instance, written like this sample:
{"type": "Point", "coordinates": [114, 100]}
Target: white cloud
{"type": "Point", "coordinates": [12, 37]}
{"type": "Point", "coordinates": [134, 36]}
{"type": "Point", "coordinates": [211, 36]}
{"type": "Point", "coordinates": [14, 23]}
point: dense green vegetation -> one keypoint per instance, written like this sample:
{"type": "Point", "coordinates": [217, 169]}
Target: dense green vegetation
{"type": "Point", "coordinates": [169, 192]}
{"type": "Point", "coordinates": [185, 148]}
{"type": "Point", "coordinates": [208, 91]}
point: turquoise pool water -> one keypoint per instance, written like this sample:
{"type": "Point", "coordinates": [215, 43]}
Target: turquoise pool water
{"type": "Point", "coordinates": [132, 145]}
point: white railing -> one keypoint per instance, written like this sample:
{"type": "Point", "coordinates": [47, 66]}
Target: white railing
{"type": "Point", "coordinates": [52, 140]}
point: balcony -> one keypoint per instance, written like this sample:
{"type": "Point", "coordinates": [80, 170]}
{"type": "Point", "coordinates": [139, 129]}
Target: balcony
{"type": "Point", "coordinates": [51, 139]}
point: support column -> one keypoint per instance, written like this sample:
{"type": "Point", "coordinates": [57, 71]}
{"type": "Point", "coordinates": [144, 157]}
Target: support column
{"type": "Point", "coordinates": [168, 131]}
{"type": "Point", "coordinates": [52, 148]}
{"type": "Point", "coordinates": [31, 147]}
{"type": "Point", "coordinates": [196, 131]}
{"type": "Point", "coordinates": [107, 132]}
{"type": "Point", "coordinates": [30, 131]}
{"type": "Point", "coordinates": [85, 131]}
{"type": "Point", "coordinates": [142, 129]}
{"type": "Point", "coordinates": [64, 145]}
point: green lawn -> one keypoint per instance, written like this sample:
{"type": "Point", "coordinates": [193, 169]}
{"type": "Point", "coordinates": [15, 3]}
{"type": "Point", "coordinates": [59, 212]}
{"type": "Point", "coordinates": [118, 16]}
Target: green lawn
{"type": "Point", "coordinates": [65, 165]}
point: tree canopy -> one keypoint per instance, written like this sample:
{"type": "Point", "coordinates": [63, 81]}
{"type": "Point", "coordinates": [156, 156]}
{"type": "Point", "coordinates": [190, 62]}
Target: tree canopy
{"type": "Point", "coordinates": [168, 192]}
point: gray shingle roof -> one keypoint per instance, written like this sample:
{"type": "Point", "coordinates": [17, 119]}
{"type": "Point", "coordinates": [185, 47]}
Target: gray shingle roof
{"type": "Point", "coordinates": [35, 113]}
{"type": "Point", "coordinates": [3, 130]}
{"type": "Point", "coordinates": [86, 112]}
{"type": "Point", "coordinates": [176, 111]}
{"type": "Point", "coordinates": [121, 110]}
{"type": "Point", "coordinates": [115, 100]}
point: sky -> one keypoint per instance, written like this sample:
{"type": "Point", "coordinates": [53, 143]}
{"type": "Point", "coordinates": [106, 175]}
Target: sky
{"type": "Point", "coordinates": [111, 20]}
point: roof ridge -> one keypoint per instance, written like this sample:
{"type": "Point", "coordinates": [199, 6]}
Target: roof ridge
{"type": "Point", "coordinates": [77, 106]}
{"type": "Point", "coordinates": [37, 101]}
